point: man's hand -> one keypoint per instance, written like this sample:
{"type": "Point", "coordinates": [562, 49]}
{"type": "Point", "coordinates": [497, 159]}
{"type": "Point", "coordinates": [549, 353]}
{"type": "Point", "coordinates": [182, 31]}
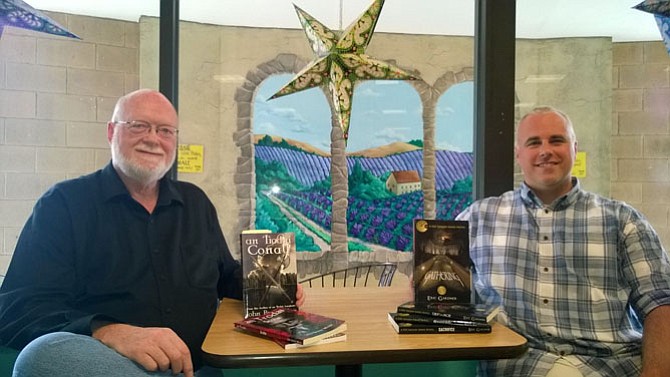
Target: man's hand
{"type": "Point", "coordinates": [299, 296]}
{"type": "Point", "coordinates": [154, 348]}
{"type": "Point", "coordinates": [655, 360]}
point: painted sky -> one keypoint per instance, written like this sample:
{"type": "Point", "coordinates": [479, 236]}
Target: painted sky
{"type": "Point", "coordinates": [383, 112]}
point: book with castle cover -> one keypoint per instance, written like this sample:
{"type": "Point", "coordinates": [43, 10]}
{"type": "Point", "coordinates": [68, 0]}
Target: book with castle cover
{"type": "Point", "coordinates": [292, 326]}
{"type": "Point", "coordinates": [270, 278]}
{"type": "Point", "coordinates": [422, 328]}
{"type": "Point", "coordinates": [460, 312]}
{"type": "Point", "coordinates": [442, 261]}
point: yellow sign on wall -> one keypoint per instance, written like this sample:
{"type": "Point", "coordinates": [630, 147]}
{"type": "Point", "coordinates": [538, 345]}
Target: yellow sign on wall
{"type": "Point", "coordinates": [579, 169]}
{"type": "Point", "coordinates": [190, 158]}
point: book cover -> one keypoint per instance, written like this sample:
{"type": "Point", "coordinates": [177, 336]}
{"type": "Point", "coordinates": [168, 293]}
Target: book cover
{"type": "Point", "coordinates": [291, 325]}
{"type": "Point", "coordinates": [442, 261]}
{"type": "Point", "coordinates": [418, 328]}
{"type": "Point", "coordinates": [339, 337]}
{"type": "Point", "coordinates": [270, 278]}
{"type": "Point", "coordinates": [432, 320]}
{"type": "Point", "coordinates": [462, 312]}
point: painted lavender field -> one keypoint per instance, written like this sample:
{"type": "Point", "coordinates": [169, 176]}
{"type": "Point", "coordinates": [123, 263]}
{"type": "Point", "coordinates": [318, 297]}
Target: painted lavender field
{"type": "Point", "coordinates": [293, 193]}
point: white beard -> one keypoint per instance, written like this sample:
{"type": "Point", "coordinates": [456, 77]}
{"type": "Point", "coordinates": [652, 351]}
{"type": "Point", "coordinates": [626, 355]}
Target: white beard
{"type": "Point", "coordinates": [133, 170]}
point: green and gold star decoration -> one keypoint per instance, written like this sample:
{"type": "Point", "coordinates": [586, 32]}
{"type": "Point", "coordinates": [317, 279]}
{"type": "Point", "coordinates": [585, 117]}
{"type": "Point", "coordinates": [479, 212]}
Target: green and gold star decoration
{"type": "Point", "coordinates": [341, 61]}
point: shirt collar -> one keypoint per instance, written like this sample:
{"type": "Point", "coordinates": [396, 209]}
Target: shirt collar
{"type": "Point", "coordinates": [112, 186]}
{"type": "Point", "coordinates": [531, 200]}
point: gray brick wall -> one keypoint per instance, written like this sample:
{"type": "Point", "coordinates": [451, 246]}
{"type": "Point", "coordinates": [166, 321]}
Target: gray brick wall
{"type": "Point", "coordinates": [56, 95]}
{"type": "Point", "coordinates": [641, 130]}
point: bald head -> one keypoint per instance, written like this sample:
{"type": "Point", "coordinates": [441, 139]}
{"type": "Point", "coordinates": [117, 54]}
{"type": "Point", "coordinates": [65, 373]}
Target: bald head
{"type": "Point", "coordinates": [546, 110]}
{"type": "Point", "coordinates": [142, 98]}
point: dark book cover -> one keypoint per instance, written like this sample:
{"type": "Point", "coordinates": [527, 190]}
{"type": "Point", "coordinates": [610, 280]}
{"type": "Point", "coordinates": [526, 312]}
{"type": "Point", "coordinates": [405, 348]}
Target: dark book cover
{"type": "Point", "coordinates": [420, 328]}
{"type": "Point", "coordinates": [293, 326]}
{"type": "Point", "coordinates": [432, 320]}
{"type": "Point", "coordinates": [442, 261]}
{"type": "Point", "coordinates": [461, 312]}
{"type": "Point", "coordinates": [270, 277]}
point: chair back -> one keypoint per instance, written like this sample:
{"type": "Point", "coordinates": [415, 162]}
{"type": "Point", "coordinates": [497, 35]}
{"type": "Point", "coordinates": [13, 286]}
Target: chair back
{"type": "Point", "coordinates": [357, 276]}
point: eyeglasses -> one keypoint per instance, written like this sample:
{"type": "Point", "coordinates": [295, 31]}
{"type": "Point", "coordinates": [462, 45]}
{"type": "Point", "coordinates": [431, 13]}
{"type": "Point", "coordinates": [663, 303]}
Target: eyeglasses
{"type": "Point", "coordinates": [140, 127]}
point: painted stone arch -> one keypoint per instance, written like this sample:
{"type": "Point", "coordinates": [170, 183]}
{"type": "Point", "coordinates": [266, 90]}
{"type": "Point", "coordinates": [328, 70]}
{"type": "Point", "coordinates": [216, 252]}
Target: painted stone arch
{"type": "Point", "coordinates": [243, 137]}
{"type": "Point", "coordinates": [430, 95]}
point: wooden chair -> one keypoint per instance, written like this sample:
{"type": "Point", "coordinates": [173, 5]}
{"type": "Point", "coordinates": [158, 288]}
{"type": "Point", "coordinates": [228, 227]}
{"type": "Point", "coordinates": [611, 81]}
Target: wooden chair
{"type": "Point", "coordinates": [360, 275]}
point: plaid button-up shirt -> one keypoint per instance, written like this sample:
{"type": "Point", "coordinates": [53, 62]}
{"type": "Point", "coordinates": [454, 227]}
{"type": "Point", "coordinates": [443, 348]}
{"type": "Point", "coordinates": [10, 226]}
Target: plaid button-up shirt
{"type": "Point", "coordinates": [576, 278]}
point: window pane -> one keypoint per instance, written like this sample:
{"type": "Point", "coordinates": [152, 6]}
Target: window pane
{"type": "Point", "coordinates": [608, 69]}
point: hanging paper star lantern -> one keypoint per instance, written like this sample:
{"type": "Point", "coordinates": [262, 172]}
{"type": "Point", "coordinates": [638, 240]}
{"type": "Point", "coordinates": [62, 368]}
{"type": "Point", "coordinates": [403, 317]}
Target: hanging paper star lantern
{"type": "Point", "coordinates": [341, 61]}
{"type": "Point", "coordinates": [19, 14]}
{"type": "Point", "coordinates": [661, 11]}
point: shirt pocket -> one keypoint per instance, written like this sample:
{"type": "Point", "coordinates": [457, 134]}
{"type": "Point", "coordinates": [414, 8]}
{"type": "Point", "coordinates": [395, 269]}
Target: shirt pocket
{"type": "Point", "coordinates": [200, 266]}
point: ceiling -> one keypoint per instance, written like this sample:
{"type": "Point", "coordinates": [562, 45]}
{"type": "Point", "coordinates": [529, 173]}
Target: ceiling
{"type": "Point", "coordinates": [535, 18]}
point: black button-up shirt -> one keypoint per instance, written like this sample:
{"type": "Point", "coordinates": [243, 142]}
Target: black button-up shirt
{"type": "Point", "coordinates": [90, 251]}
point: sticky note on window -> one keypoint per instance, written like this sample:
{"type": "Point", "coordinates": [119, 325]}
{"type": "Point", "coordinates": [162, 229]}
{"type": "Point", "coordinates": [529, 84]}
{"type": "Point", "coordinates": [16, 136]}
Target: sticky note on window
{"type": "Point", "coordinates": [579, 169]}
{"type": "Point", "coordinates": [190, 158]}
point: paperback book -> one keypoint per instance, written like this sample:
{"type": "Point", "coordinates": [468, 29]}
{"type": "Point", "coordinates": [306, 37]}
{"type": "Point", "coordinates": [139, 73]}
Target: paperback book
{"type": "Point", "coordinates": [292, 326]}
{"type": "Point", "coordinates": [442, 261]}
{"type": "Point", "coordinates": [339, 337]}
{"type": "Point", "coordinates": [420, 328]}
{"type": "Point", "coordinates": [431, 320]}
{"type": "Point", "coordinates": [462, 312]}
{"type": "Point", "coordinates": [270, 278]}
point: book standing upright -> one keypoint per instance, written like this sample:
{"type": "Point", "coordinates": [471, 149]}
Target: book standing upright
{"type": "Point", "coordinates": [270, 277]}
{"type": "Point", "coordinates": [442, 262]}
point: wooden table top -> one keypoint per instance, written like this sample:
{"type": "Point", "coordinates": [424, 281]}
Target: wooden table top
{"type": "Point", "coordinates": [370, 337]}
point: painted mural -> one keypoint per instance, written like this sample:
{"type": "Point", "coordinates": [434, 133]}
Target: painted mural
{"type": "Point", "coordinates": [384, 157]}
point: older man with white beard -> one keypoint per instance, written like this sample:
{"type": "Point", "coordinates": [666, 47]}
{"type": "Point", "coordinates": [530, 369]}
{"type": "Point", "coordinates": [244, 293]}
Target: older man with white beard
{"type": "Point", "coordinates": [119, 273]}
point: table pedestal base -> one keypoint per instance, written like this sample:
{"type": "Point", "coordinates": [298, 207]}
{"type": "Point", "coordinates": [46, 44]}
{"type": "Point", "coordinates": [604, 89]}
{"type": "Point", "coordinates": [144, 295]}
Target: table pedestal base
{"type": "Point", "coordinates": [355, 370]}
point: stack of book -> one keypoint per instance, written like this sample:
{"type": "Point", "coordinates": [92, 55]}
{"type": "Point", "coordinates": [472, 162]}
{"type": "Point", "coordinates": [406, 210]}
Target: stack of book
{"type": "Point", "coordinates": [292, 328]}
{"type": "Point", "coordinates": [412, 318]}
{"type": "Point", "coordinates": [443, 300]}
{"type": "Point", "coordinates": [270, 283]}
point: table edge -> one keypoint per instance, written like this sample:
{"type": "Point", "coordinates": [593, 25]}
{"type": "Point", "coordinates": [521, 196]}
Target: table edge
{"type": "Point", "coordinates": [362, 357]}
